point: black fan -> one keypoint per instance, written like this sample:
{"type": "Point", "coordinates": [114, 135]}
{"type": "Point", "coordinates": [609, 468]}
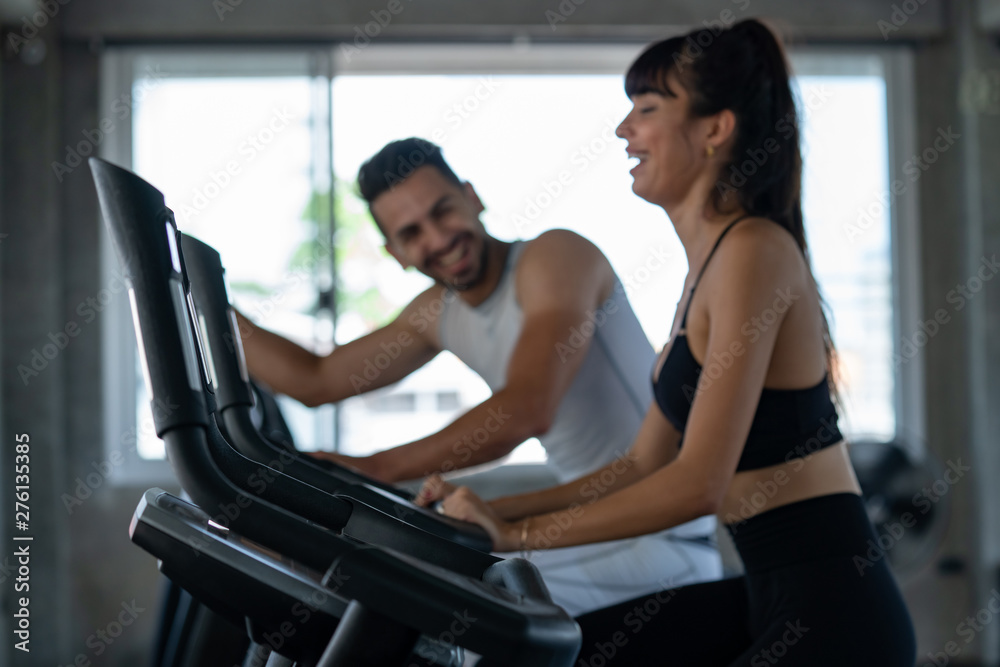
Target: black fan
{"type": "Point", "coordinates": [908, 502]}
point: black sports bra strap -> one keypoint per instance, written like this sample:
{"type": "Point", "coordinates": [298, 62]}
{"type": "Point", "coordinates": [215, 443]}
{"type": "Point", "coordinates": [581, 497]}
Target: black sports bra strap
{"type": "Point", "coordinates": [705, 265]}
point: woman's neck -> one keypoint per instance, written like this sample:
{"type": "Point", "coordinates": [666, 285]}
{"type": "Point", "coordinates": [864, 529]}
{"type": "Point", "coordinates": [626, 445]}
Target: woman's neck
{"type": "Point", "coordinates": [698, 226]}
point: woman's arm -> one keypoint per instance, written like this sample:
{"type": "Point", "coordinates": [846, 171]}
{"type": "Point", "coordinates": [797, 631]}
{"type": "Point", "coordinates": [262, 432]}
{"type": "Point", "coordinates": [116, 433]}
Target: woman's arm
{"type": "Point", "coordinates": [722, 410]}
{"type": "Point", "coordinates": [655, 445]}
{"type": "Point", "coordinates": [643, 507]}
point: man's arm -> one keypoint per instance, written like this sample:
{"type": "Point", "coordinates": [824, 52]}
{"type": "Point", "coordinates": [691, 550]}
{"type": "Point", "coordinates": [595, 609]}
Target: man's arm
{"type": "Point", "coordinates": [561, 279]}
{"type": "Point", "coordinates": [378, 359]}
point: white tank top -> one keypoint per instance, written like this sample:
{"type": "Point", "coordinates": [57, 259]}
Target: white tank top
{"type": "Point", "coordinates": [601, 412]}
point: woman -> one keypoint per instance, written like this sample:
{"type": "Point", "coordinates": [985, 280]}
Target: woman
{"type": "Point", "coordinates": [746, 384]}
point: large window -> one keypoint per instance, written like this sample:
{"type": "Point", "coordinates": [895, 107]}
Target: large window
{"type": "Point", "coordinates": [236, 143]}
{"type": "Point", "coordinates": [533, 130]}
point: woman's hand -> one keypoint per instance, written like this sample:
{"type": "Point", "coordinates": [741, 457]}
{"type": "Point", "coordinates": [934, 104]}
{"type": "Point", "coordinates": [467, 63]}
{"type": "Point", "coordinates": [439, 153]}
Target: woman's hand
{"type": "Point", "coordinates": [465, 505]}
{"type": "Point", "coordinates": [433, 490]}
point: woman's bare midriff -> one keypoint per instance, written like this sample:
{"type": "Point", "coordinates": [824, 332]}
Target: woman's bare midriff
{"type": "Point", "coordinates": [754, 491]}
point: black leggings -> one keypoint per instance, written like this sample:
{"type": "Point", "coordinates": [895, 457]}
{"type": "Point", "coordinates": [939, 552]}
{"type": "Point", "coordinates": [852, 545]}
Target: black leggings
{"type": "Point", "coordinates": [810, 597]}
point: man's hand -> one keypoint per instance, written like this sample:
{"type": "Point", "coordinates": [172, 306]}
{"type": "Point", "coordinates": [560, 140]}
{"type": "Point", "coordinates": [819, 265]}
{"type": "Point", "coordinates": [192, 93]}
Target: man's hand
{"type": "Point", "coordinates": [465, 505]}
{"type": "Point", "coordinates": [433, 490]}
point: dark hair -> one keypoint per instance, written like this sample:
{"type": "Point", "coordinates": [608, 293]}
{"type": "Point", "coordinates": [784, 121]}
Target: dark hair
{"type": "Point", "coordinates": [396, 161]}
{"type": "Point", "coordinates": [743, 69]}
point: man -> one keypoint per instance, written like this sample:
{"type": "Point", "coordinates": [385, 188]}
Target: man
{"type": "Point", "coordinates": [546, 324]}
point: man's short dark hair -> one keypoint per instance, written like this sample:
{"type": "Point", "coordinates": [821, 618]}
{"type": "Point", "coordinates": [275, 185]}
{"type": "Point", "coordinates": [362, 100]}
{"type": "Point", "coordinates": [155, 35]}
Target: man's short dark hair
{"type": "Point", "coordinates": [394, 164]}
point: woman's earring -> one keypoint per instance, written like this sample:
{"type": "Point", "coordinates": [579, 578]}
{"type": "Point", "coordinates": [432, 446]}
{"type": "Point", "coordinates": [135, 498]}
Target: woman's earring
{"type": "Point", "coordinates": [709, 150]}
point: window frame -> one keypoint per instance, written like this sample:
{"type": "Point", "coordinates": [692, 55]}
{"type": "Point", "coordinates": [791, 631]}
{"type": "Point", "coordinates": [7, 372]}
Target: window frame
{"type": "Point", "coordinates": [906, 284]}
{"type": "Point", "coordinates": [118, 70]}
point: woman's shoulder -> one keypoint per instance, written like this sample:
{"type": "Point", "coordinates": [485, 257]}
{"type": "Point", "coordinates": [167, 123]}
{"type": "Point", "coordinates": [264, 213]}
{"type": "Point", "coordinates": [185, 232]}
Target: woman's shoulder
{"type": "Point", "coordinates": [762, 234]}
{"type": "Point", "coordinates": [756, 258]}
{"type": "Point", "coordinates": [761, 245]}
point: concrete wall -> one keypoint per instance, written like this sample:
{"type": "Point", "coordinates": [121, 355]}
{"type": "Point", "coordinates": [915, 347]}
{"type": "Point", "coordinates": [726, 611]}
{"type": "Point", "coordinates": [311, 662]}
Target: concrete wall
{"type": "Point", "coordinates": [83, 568]}
{"type": "Point", "coordinates": [956, 218]}
{"type": "Point", "coordinates": [33, 283]}
{"type": "Point", "coordinates": [197, 19]}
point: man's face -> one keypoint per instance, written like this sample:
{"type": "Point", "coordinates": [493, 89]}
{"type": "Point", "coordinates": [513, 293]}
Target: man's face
{"type": "Point", "coordinates": [433, 224]}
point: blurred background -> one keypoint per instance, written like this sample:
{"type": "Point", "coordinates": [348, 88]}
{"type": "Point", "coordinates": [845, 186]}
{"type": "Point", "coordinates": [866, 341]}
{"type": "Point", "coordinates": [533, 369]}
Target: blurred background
{"type": "Point", "coordinates": [253, 119]}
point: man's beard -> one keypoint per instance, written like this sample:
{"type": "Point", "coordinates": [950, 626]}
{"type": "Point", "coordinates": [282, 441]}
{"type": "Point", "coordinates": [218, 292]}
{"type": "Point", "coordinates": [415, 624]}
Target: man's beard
{"type": "Point", "coordinates": [480, 274]}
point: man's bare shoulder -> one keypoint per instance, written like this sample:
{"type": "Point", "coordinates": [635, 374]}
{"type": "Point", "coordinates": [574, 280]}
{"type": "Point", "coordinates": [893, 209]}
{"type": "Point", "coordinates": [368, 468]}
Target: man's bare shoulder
{"type": "Point", "coordinates": [561, 262]}
{"type": "Point", "coordinates": [558, 249]}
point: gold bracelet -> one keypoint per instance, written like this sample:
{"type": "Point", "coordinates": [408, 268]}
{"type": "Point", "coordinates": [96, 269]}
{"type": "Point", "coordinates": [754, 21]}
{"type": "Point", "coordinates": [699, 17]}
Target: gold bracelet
{"type": "Point", "coordinates": [524, 537]}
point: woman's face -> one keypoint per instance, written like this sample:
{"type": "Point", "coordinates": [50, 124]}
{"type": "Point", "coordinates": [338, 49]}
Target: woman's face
{"type": "Point", "coordinates": [660, 133]}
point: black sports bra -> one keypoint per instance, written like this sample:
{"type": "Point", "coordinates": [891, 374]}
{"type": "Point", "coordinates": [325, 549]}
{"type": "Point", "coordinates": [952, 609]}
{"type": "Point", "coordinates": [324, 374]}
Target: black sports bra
{"type": "Point", "coordinates": [788, 423]}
